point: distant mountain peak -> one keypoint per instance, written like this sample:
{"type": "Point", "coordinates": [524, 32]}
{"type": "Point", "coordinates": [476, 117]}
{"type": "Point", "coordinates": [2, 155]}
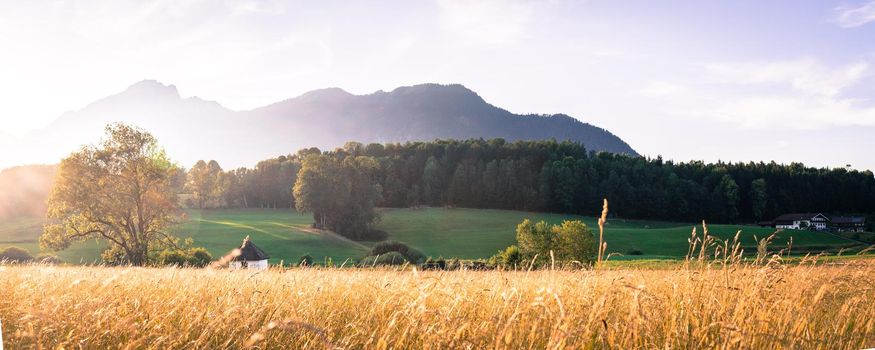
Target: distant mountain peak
{"type": "Point", "coordinates": [152, 88]}
{"type": "Point", "coordinates": [431, 88]}
{"type": "Point", "coordinates": [435, 94]}
{"type": "Point", "coordinates": [334, 92]}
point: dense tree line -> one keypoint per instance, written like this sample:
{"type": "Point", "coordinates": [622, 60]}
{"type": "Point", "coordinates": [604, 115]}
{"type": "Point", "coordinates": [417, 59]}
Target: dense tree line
{"type": "Point", "coordinates": [565, 177]}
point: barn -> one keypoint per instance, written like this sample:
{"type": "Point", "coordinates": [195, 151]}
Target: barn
{"type": "Point", "coordinates": [251, 257]}
{"type": "Point", "coordinates": [802, 221]}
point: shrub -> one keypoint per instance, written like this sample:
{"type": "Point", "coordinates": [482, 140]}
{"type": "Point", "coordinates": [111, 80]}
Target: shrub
{"type": "Point", "coordinates": [114, 255]}
{"type": "Point", "coordinates": [200, 257]}
{"type": "Point", "coordinates": [390, 258]}
{"type": "Point", "coordinates": [193, 257]}
{"type": "Point", "coordinates": [171, 257]}
{"type": "Point", "coordinates": [431, 264]}
{"type": "Point", "coordinates": [454, 264]}
{"type": "Point", "coordinates": [305, 260]}
{"type": "Point", "coordinates": [510, 257]}
{"type": "Point", "coordinates": [634, 251]}
{"type": "Point", "coordinates": [410, 254]}
{"type": "Point", "coordinates": [15, 254]}
{"type": "Point", "coordinates": [48, 259]}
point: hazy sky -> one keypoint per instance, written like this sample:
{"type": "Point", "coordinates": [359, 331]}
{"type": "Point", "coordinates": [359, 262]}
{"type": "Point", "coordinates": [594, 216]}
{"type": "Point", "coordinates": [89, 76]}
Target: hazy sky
{"type": "Point", "coordinates": [730, 80]}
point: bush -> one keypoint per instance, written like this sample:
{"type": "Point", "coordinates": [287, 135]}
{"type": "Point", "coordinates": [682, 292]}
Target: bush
{"type": "Point", "coordinates": [510, 257]}
{"type": "Point", "coordinates": [192, 257]}
{"type": "Point", "coordinates": [410, 254]}
{"type": "Point", "coordinates": [48, 259]}
{"type": "Point", "coordinates": [390, 258]}
{"type": "Point", "coordinates": [200, 257]}
{"type": "Point", "coordinates": [634, 251]}
{"type": "Point", "coordinates": [305, 260]}
{"type": "Point", "coordinates": [171, 257]}
{"type": "Point", "coordinates": [114, 255]}
{"type": "Point", "coordinates": [15, 254]}
{"type": "Point", "coordinates": [431, 264]}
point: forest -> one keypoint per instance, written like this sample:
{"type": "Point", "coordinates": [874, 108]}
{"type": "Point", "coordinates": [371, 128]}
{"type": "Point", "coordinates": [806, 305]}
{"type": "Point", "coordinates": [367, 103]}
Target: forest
{"type": "Point", "coordinates": [554, 176]}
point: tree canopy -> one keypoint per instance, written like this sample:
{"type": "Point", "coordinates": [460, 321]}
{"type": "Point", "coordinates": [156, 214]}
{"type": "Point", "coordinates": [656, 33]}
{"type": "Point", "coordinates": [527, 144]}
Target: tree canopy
{"type": "Point", "coordinates": [570, 241]}
{"type": "Point", "coordinates": [121, 192]}
{"type": "Point", "coordinates": [341, 191]}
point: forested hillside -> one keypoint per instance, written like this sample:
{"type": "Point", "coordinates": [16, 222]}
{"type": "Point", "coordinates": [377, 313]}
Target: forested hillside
{"type": "Point", "coordinates": [563, 177]}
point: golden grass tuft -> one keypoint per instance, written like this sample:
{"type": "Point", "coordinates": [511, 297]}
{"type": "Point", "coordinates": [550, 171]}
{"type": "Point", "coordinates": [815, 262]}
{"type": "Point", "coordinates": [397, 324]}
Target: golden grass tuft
{"type": "Point", "coordinates": [740, 306]}
{"type": "Point", "coordinates": [603, 246]}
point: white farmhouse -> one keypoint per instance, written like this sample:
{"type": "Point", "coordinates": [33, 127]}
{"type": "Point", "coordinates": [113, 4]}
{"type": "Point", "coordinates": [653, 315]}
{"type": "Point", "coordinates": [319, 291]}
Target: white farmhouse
{"type": "Point", "coordinates": [251, 257]}
{"type": "Point", "coordinates": [802, 221]}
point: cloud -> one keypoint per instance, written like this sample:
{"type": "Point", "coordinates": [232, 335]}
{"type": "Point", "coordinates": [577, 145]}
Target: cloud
{"type": "Point", "coordinates": [805, 75]}
{"type": "Point", "coordinates": [489, 22]}
{"type": "Point", "coordinates": [794, 112]}
{"type": "Point", "coordinates": [801, 94]}
{"type": "Point", "coordinates": [855, 16]}
{"type": "Point", "coordinates": [271, 7]}
{"type": "Point", "coordinates": [663, 89]}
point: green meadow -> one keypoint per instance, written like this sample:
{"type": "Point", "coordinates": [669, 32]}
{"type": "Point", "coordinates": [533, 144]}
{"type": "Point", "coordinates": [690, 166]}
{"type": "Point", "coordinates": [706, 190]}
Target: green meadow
{"type": "Point", "coordinates": [450, 233]}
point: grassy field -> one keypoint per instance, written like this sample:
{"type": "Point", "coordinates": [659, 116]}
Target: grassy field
{"type": "Point", "coordinates": [470, 233]}
{"type": "Point", "coordinates": [463, 233]}
{"type": "Point", "coordinates": [827, 306]}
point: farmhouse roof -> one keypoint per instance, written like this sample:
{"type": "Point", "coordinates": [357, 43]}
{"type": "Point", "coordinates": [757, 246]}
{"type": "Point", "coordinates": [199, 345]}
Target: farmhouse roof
{"type": "Point", "coordinates": [249, 252]}
{"type": "Point", "coordinates": [798, 216]}
{"type": "Point", "coordinates": [845, 220]}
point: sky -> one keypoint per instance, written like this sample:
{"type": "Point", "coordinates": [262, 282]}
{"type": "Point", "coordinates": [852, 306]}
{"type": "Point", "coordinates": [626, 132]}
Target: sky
{"type": "Point", "coordinates": [686, 80]}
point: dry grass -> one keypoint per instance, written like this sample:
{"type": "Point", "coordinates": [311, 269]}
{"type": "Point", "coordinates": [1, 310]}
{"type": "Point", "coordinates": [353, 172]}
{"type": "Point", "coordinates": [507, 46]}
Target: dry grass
{"type": "Point", "coordinates": [740, 306]}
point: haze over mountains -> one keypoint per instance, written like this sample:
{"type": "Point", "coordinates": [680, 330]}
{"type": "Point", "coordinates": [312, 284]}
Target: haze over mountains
{"type": "Point", "coordinates": [193, 128]}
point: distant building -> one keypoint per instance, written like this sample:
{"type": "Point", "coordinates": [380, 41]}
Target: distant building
{"type": "Point", "coordinates": [848, 223]}
{"type": "Point", "coordinates": [802, 221]}
{"type": "Point", "coordinates": [251, 257]}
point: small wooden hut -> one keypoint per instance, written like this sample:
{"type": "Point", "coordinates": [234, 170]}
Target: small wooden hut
{"type": "Point", "coordinates": [251, 257]}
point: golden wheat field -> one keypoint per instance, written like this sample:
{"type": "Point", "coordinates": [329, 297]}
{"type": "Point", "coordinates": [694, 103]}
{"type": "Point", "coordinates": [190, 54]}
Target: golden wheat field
{"type": "Point", "coordinates": [745, 306]}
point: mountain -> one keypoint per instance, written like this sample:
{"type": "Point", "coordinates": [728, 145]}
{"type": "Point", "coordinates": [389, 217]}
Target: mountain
{"type": "Point", "coordinates": [193, 128]}
{"type": "Point", "coordinates": [423, 112]}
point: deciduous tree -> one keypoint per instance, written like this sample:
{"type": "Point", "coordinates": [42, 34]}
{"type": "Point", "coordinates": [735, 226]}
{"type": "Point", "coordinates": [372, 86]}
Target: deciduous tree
{"type": "Point", "coordinates": [120, 192]}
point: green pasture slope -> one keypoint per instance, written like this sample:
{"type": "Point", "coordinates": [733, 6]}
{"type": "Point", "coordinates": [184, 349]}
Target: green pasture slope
{"type": "Point", "coordinates": [477, 233]}
{"type": "Point", "coordinates": [463, 233]}
{"type": "Point", "coordinates": [23, 232]}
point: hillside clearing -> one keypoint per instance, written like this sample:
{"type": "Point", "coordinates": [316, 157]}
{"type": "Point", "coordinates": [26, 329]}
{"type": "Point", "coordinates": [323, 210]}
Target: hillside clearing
{"type": "Point", "coordinates": [464, 233]}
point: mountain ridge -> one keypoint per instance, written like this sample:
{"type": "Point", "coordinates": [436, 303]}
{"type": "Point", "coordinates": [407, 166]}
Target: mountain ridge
{"type": "Point", "coordinates": [193, 128]}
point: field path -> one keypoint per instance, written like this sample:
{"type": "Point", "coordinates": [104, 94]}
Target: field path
{"type": "Point", "coordinates": [324, 233]}
{"type": "Point", "coordinates": [243, 226]}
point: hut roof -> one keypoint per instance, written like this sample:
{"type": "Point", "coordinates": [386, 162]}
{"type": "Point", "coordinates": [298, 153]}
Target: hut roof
{"type": "Point", "coordinates": [249, 252]}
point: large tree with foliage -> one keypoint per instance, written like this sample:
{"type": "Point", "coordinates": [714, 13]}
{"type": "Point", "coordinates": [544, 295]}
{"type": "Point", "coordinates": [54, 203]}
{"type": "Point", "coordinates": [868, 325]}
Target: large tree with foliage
{"type": "Point", "coordinates": [120, 192]}
{"type": "Point", "coordinates": [341, 192]}
{"type": "Point", "coordinates": [570, 241]}
{"type": "Point", "coordinates": [207, 182]}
